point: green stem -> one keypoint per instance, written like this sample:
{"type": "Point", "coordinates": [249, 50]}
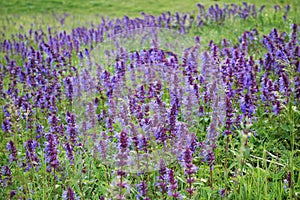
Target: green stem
{"type": "Point", "coordinates": [226, 164]}
{"type": "Point", "coordinates": [210, 176]}
{"type": "Point", "coordinates": [292, 189]}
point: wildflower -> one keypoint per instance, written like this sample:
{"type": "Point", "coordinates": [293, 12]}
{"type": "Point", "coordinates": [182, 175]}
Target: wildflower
{"type": "Point", "coordinates": [13, 151]}
{"type": "Point", "coordinates": [53, 122]}
{"type": "Point", "coordinates": [6, 125]}
{"type": "Point", "coordinates": [31, 156]}
{"type": "Point", "coordinates": [6, 110]}
{"type": "Point", "coordinates": [12, 194]}
{"type": "Point", "coordinates": [209, 157]}
{"type": "Point", "coordinates": [276, 107]}
{"type": "Point", "coordinates": [189, 169]}
{"type": "Point", "coordinates": [121, 161]}
{"type": "Point", "coordinates": [72, 130]}
{"type": "Point", "coordinates": [80, 55]}
{"type": "Point", "coordinates": [162, 183]}
{"type": "Point", "coordinates": [69, 194]}
{"type": "Point", "coordinates": [261, 8]}
{"type": "Point", "coordinates": [142, 189]}
{"type": "Point", "coordinates": [229, 115]}
{"type": "Point", "coordinates": [297, 87]}
{"type": "Point", "coordinates": [51, 152]}
{"type": "Point", "coordinates": [6, 172]}
{"type": "Point", "coordinates": [289, 179]}
{"type": "Point", "coordinates": [222, 192]}
{"type": "Point", "coordinates": [173, 185]}
{"type": "Point", "coordinates": [69, 152]}
{"type": "Point", "coordinates": [68, 88]}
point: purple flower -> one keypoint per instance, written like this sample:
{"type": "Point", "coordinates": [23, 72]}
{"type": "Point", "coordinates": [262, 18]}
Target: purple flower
{"type": "Point", "coordinates": [189, 169]}
{"type": "Point", "coordinates": [80, 55]}
{"type": "Point", "coordinates": [162, 183]}
{"type": "Point", "coordinates": [276, 107]}
{"type": "Point", "coordinates": [209, 157]}
{"type": "Point", "coordinates": [6, 172]}
{"type": "Point", "coordinates": [69, 152]}
{"type": "Point", "coordinates": [13, 151]}
{"type": "Point", "coordinates": [39, 131]}
{"type": "Point", "coordinates": [277, 8]}
{"type": "Point", "coordinates": [122, 160]}
{"type": "Point", "coordinates": [289, 179]}
{"type": "Point", "coordinates": [284, 84]}
{"type": "Point", "coordinates": [53, 122]}
{"type": "Point", "coordinates": [69, 194]}
{"type": "Point", "coordinates": [5, 110]}
{"type": "Point", "coordinates": [142, 189]}
{"type": "Point", "coordinates": [173, 185]}
{"type": "Point", "coordinates": [12, 194]}
{"type": "Point", "coordinates": [222, 192]}
{"type": "Point", "coordinates": [261, 8]}
{"type": "Point", "coordinates": [287, 182]}
{"type": "Point", "coordinates": [143, 144]}
{"type": "Point", "coordinates": [51, 152]}
{"type": "Point", "coordinates": [229, 115]}
{"type": "Point", "coordinates": [297, 88]}
{"type": "Point", "coordinates": [247, 105]}
{"type": "Point", "coordinates": [6, 125]}
{"type": "Point", "coordinates": [31, 156]}
{"type": "Point", "coordinates": [123, 141]}
{"type": "Point", "coordinates": [68, 88]}
{"type": "Point", "coordinates": [72, 130]}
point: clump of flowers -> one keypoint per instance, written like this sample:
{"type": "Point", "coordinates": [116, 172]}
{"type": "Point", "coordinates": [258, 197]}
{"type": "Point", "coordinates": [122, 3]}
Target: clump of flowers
{"type": "Point", "coordinates": [51, 152]}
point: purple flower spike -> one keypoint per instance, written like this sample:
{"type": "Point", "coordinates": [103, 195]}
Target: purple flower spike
{"type": "Point", "coordinates": [142, 189]}
{"type": "Point", "coordinates": [51, 152]}
{"type": "Point", "coordinates": [13, 151]}
{"type": "Point", "coordinates": [69, 152]}
{"type": "Point", "coordinates": [72, 130]}
{"type": "Point", "coordinates": [189, 169]}
{"type": "Point", "coordinates": [162, 183]}
{"type": "Point", "coordinates": [6, 126]}
{"type": "Point", "coordinates": [31, 156]}
{"type": "Point", "coordinates": [229, 115]}
{"type": "Point", "coordinates": [69, 194]}
{"type": "Point", "coordinates": [289, 179]}
{"type": "Point", "coordinates": [121, 161]}
{"type": "Point", "coordinates": [173, 185]}
{"type": "Point", "coordinates": [6, 174]}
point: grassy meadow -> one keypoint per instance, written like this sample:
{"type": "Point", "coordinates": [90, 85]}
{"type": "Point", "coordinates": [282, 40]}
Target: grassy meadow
{"type": "Point", "coordinates": [150, 99]}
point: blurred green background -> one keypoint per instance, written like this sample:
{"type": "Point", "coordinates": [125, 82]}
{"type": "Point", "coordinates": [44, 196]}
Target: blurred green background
{"type": "Point", "coordinates": [117, 8]}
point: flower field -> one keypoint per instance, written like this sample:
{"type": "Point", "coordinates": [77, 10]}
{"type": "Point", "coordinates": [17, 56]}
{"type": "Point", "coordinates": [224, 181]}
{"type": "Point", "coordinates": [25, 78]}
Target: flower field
{"type": "Point", "coordinates": [180, 105]}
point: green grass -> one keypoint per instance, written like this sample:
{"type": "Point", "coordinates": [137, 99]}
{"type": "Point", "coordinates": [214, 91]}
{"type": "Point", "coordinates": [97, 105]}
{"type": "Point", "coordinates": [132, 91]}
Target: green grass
{"type": "Point", "coordinates": [116, 8]}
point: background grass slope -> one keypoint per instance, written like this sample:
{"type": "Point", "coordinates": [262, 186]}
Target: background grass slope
{"type": "Point", "coordinates": [117, 8]}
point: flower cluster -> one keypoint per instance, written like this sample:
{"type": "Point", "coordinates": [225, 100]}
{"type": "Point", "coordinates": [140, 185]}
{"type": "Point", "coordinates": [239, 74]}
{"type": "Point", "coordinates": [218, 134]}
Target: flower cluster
{"type": "Point", "coordinates": [69, 194]}
{"type": "Point", "coordinates": [32, 160]}
{"type": "Point", "coordinates": [51, 152]}
{"type": "Point", "coordinates": [13, 151]}
{"type": "Point", "coordinates": [190, 169]}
